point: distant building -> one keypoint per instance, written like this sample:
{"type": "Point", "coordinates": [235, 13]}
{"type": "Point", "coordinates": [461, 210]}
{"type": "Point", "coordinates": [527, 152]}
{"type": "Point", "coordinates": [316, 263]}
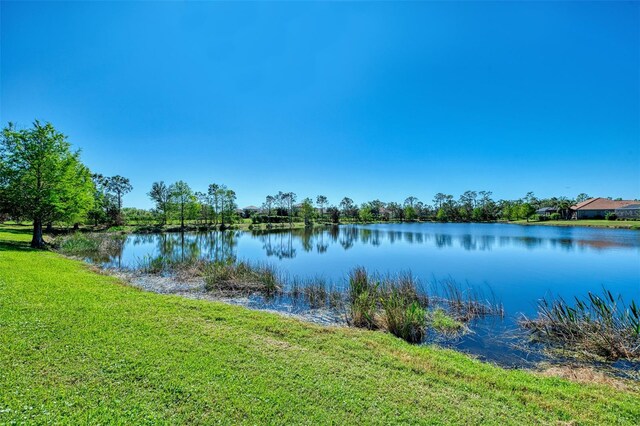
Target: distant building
{"type": "Point", "coordinates": [249, 211]}
{"type": "Point", "coordinates": [632, 211]}
{"type": "Point", "coordinates": [597, 208]}
{"type": "Point", "coordinates": [546, 211]}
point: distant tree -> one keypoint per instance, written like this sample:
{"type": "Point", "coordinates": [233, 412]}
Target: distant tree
{"type": "Point", "coordinates": [347, 207]}
{"type": "Point", "coordinates": [530, 198]}
{"type": "Point", "coordinates": [582, 197]}
{"type": "Point", "coordinates": [410, 213]}
{"type": "Point", "coordinates": [321, 201]}
{"type": "Point", "coordinates": [215, 193]}
{"type": "Point", "coordinates": [268, 204]}
{"type": "Point", "coordinates": [467, 203]}
{"type": "Point", "coordinates": [410, 201]}
{"type": "Point", "coordinates": [376, 207]}
{"type": "Point", "coordinates": [118, 186]}
{"type": "Point", "coordinates": [98, 213]}
{"type": "Point", "coordinates": [41, 178]}
{"type": "Point", "coordinates": [438, 200]}
{"type": "Point", "coordinates": [204, 204]}
{"type": "Point", "coordinates": [365, 213]}
{"type": "Point", "coordinates": [395, 210]}
{"type": "Point", "coordinates": [307, 211]}
{"type": "Point", "coordinates": [288, 200]}
{"type": "Point", "coordinates": [527, 210]}
{"type": "Point", "coordinates": [161, 196]}
{"type": "Point", "coordinates": [183, 198]}
{"type": "Point", "coordinates": [334, 214]}
{"type": "Point", "coordinates": [563, 205]}
{"type": "Point", "coordinates": [228, 198]}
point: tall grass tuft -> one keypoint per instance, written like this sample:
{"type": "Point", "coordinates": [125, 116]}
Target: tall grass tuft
{"type": "Point", "coordinates": [228, 277]}
{"type": "Point", "coordinates": [402, 314]}
{"type": "Point", "coordinates": [600, 325]}
{"type": "Point", "coordinates": [466, 304]}
{"type": "Point", "coordinates": [363, 299]}
{"type": "Point", "coordinates": [94, 246]}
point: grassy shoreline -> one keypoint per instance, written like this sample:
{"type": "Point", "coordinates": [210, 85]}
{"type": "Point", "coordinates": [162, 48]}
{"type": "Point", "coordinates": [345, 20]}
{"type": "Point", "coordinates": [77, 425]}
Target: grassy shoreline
{"type": "Point", "coordinates": [587, 223]}
{"type": "Point", "coordinates": [80, 347]}
{"type": "Point", "coordinates": [247, 226]}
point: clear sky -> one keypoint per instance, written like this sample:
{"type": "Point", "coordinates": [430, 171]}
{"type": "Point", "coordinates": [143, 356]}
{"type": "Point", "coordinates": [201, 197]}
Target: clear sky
{"type": "Point", "coordinates": [367, 100]}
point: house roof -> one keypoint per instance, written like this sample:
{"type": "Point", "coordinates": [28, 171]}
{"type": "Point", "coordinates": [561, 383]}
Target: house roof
{"type": "Point", "coordinates": [602, 204]}
{"type": "Point", "coordinates": [251, 208]}
{"type": "Point", "coordinates": [547, 210]}
{"type": "Point", "coordinates": [630, 207]}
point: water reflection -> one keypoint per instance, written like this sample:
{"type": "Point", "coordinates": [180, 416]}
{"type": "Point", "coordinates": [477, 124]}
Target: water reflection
{"type": "Point", "coordinates": [286, 244]}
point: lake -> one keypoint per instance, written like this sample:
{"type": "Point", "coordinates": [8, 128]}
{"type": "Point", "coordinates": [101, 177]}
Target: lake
{"type": "Point", "coordinates": [518, 264]}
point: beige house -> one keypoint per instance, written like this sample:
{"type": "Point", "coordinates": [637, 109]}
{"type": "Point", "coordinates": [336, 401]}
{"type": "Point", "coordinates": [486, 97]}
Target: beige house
{"type": "Point", "coordinates": [597, 208]}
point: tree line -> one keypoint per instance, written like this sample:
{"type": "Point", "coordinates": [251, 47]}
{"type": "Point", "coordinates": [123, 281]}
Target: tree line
{"type": "Point", "coordinates": [42, 180]}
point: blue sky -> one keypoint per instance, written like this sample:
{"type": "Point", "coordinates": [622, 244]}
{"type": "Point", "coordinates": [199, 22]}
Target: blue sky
{"type": "Point", "coordinates": [367, 100]}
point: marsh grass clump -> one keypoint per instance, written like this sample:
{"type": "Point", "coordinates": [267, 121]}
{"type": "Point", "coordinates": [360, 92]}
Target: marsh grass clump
{"type": "Point", "coordinates": [402, 314]}
{"type": "Point", "coordinates": [231, 278]}
{"type": "Point", "coordinates": [94, 246]}
{"type": "Point", "coordinates": [444, 323]}
{"type": "Point", "coordinates": [466, 304]}
{"type": "Point", "coordinates": [152, 265]}
{"type": "Point", "coordinates": [602, 326]}
{"type": "Point", "coordinates": [362, 299]}
{"type": "Point", "coordinates": [316, 294]}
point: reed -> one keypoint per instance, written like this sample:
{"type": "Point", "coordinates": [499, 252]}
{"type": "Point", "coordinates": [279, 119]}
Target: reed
{"type": "Point", "coordinates": [599, 325]}
{"type": "Point", "coordinates": [229, 278]}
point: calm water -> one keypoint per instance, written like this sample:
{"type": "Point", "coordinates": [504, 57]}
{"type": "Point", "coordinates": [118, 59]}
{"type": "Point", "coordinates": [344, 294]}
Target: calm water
{"type": "Point", "coordinates": [520, 264]}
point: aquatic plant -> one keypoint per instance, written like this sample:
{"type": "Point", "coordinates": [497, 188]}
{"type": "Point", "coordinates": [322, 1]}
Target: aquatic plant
{"type": "Point", "coordinates": [152, 265]}
{"type": "Point", "coordinates": [602, 326]}
{"type": "Point", "coordinates": [402, 314]}
{"type": "Point", "coordinates": [98, 247]}
{"type": "Point", "coordinates": [467, 303]}
{"type": "Point", "coordinates": [363, 299]}
{"type": "Point", "coordinates": [241, 277]}
{"type": "Point", "coordinates": [442, 322]}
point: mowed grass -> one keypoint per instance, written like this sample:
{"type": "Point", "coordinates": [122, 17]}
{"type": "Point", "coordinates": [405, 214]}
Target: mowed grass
{"type": "Point", "coordinates": [79, 347]}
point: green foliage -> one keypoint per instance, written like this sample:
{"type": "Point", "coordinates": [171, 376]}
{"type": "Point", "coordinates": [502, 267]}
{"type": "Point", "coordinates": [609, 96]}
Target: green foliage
{"type": "Point", "coordinates": [442, 216]}
{"type": "Point", "coordinates": [611, 216]}
{"type": "Point", "coordinates": [42, 179]}
{"type": "Point", "coordinates": [307, 211]}
{"type": "Point", "coordinates": [444, 323]}
{"type": "Point", "coordinates": [161, 196]}
{"type": "Point", "coordinates": [554, 216]}
{"type": "Point", "coordinates": [365, 214]}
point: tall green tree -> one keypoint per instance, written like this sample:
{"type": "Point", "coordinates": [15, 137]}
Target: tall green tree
{"type": "Point", "coordinates": [161, 196]}
{"type": "Point", "coordinates": [228, 205]}
{"type": "Point", "coordinates": [182, 197]}
{"type": "Point", "coordinates": [321, 201]}
{"type": "Point", "coordinates": [307, 211]}
{"type": "Point", "coordinates": [117, 186]}
{"type": "Point", "coordinates": [42, 178]}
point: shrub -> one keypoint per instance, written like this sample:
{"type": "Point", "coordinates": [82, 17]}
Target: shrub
{"type": "Point", "coordinates": [611, 216]}
{"type": "Point", "coordinates": [554, 216]}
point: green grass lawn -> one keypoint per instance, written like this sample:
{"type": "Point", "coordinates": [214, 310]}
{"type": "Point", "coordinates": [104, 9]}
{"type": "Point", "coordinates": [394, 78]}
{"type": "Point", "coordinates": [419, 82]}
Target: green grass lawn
{"type": "Point", "coordinates": [591, 223]}
{"type": "Point", "coordinates": [79, 347]}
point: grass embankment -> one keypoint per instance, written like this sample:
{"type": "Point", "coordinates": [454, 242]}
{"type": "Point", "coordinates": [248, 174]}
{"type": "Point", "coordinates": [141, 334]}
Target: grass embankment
{"type": "Point", "coordinates": [589, 223]}
{"type": "Point", "coordinates": [78, 347]}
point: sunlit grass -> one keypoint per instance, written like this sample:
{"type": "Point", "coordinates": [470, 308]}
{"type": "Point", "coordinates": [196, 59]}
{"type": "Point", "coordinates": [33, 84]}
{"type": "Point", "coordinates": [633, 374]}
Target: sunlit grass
{"type": "Point", "coordinates": [77, 347]}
